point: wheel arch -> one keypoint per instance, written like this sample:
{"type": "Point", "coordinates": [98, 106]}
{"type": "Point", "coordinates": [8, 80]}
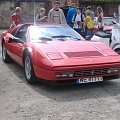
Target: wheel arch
{"type": "Point", "coordinates": [26, 51]}
{"type": "Point", "coordinates": [33, 78]}
{"type": "Point", "coordinates": [116, 48]}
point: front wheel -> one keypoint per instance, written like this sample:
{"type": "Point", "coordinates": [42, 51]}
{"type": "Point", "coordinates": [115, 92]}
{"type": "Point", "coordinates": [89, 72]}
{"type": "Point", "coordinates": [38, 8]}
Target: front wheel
{"type": "Point", "coordinates": [6, 58]}
{"type": "Point", "coordinates": [117, 51]}
{"type": "Point", "coordinates": [29, 70]}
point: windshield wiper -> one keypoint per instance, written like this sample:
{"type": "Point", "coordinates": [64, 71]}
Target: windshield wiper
{"type": "Point", "coordinates": [64, 36]}
{"type": "Point", "coordinates": [45, 38]}
{"type": "Point", "coordinates": [60, 36]}
{"type": "Point", "coordinates": [77, 38]}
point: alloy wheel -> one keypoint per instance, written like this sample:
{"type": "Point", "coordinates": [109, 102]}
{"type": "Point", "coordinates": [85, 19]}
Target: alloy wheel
{"type": "Point", "coordinates": [28, 67]}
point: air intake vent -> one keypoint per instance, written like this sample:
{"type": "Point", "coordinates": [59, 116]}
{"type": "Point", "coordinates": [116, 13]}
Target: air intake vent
{"type": "Point", "coordinates": [82, 54]}
{"type": "Point", "coordinates": [91, 72]}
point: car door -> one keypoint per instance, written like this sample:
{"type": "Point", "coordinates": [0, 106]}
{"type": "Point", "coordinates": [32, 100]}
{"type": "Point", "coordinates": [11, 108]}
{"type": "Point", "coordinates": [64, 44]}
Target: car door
{"type": "Point", "coordinates": [17, 48]}
{"type": "Point", "coordinates": [10, 45]}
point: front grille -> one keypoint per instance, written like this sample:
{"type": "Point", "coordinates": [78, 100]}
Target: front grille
{"type": "Point", "coordinates": [82, 54]}
{"type": "Point", "coordinates": [91, 72]}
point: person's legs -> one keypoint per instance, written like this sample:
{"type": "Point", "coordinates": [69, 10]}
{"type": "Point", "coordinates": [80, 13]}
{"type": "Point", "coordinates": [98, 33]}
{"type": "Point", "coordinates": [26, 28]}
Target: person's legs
{"type": "Point", "coordinates": [91, 33]}
{"type": "Point", "coordinates": [88, 34]}
{"type": "Point", "coordinates": [82, 32]}
{"type": "Point", "coordinates": [85, 32]}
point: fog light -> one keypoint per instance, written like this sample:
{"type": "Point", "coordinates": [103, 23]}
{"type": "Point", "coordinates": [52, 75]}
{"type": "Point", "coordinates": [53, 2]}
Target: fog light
{"type": "Point", "coordinates": [112, 70]}
{"type": "Point", "coordinates": [64, 75]}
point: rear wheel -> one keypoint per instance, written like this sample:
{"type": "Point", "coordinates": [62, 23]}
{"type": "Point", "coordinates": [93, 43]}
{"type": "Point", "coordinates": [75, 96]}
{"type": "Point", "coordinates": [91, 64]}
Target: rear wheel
{"type": "Point", "coordinates": [6, 58]}
{"type": "Point", "coordinates": [29, 70]}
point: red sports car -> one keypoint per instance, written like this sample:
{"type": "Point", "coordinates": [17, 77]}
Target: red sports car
{"type": "Point", "coordinates": [58, 54]}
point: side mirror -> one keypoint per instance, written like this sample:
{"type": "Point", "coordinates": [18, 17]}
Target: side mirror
{"type": "Point", "coordinates": [15, 39]}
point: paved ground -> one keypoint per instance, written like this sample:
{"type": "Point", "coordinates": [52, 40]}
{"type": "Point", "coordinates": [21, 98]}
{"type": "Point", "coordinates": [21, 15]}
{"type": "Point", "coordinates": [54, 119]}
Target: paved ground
{"type": "Point", "coordinates": [21, 101]}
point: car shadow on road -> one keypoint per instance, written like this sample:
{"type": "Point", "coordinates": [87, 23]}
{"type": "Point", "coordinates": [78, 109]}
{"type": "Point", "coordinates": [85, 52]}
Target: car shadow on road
{"type": "Point", "coordinates": [71, 92]}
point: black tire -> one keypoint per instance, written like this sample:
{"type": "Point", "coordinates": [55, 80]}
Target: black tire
{"type": "Point", "coordinates": [29, 70]}
{"type": "Point", "coordinates": [6, 58]}
{"type": "Point", "coordinates": [117, 51]}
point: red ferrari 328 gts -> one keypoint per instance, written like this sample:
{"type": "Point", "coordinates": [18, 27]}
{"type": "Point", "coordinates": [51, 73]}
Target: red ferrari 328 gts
{"type": "Point", "coordinates": [58, 54]}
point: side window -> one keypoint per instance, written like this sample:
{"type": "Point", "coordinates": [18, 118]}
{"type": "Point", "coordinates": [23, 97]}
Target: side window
{"type": "Point", "coordinates": [14, 31]}
{"type": "Point", "coordinates": [22, 32]}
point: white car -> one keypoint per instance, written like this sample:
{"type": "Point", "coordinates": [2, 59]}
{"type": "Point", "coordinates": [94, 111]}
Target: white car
{"type": "Point", "coordinates": [112, 39]}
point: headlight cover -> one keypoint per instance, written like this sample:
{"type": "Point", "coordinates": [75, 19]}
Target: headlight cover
{"type": "Point", "coordinates": [54, 56]}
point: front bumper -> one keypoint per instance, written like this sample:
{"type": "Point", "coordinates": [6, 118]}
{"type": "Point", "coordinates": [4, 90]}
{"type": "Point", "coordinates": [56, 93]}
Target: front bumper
{"type": "Point", "coordinates": [50, 75]}
{"type": "Point", "coordinates": [74, 81]}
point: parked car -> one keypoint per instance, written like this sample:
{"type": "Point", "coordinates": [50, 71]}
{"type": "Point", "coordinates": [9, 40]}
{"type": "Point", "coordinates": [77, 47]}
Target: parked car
{"type": "Point", "coordinates": [111, 39]}
{"type": "Point", "coordinates": [108, 23]}
{"type": "Point", "coordinates": [58, 54]}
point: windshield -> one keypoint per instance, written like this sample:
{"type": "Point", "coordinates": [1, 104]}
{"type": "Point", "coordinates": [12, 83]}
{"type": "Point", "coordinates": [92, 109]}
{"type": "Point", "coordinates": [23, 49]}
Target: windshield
{"type": "Point", "coordinates": [40, 33]}
{"type": "Point", "coordinates": [109, 21]}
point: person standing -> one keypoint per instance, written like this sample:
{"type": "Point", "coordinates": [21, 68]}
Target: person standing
{"type": "Point", "coordinates": [100, 18]}
{"type": "Point", "coordinates": [56, 15]}
{"type": "Point", "coordinates": [88, 25]}
{"type": "Point", "coordinates": [71, 12]}
{"type": "Point", "coordinates": [78, 21]}
{"type": "Point", "coordinates": [16, 18]}
{"type": "Point", "coordinates": [92, 14]}
{"type": "Point", "coordinates": [41, 16]}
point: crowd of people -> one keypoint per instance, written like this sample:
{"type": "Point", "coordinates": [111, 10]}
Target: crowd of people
{"type": "Point", "coordinates": [81, 22]}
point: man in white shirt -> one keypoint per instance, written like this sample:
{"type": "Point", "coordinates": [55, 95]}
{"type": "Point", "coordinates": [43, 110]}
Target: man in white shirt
{"type": "Point", "coordinates": [78, 21]}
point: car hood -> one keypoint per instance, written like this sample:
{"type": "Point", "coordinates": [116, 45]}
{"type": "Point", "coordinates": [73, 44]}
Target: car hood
{"type": "Point", "coordinates": [64, 53]}
{"type": "Point", "coordinates": [76, 48]}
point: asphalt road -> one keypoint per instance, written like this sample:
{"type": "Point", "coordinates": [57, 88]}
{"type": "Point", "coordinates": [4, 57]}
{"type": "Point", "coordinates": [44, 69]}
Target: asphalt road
{"type": "Point", "coordinates": [21, 101]}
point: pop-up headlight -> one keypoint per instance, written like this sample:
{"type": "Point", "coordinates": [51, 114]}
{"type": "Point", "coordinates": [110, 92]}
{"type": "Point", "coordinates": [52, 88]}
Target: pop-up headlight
{"type": "Point", "coordinates": [54, 56]}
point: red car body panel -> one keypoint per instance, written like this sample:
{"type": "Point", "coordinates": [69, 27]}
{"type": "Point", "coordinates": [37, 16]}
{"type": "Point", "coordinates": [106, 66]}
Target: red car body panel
{"type": "Point", "coordinates": [51, 57]}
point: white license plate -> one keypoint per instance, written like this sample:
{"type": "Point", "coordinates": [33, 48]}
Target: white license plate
{"type": "Point", "coordinates": [89, 80]}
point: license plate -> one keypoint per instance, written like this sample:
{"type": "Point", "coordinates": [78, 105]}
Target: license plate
{"type": "Point", "coordinates": [89, 80]}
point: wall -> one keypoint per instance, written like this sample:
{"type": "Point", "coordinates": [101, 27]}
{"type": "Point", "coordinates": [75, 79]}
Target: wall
{"type": "Point", "coordinates": [5, 12]}
{"type": "Point", "coordinates": [7, 9]}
